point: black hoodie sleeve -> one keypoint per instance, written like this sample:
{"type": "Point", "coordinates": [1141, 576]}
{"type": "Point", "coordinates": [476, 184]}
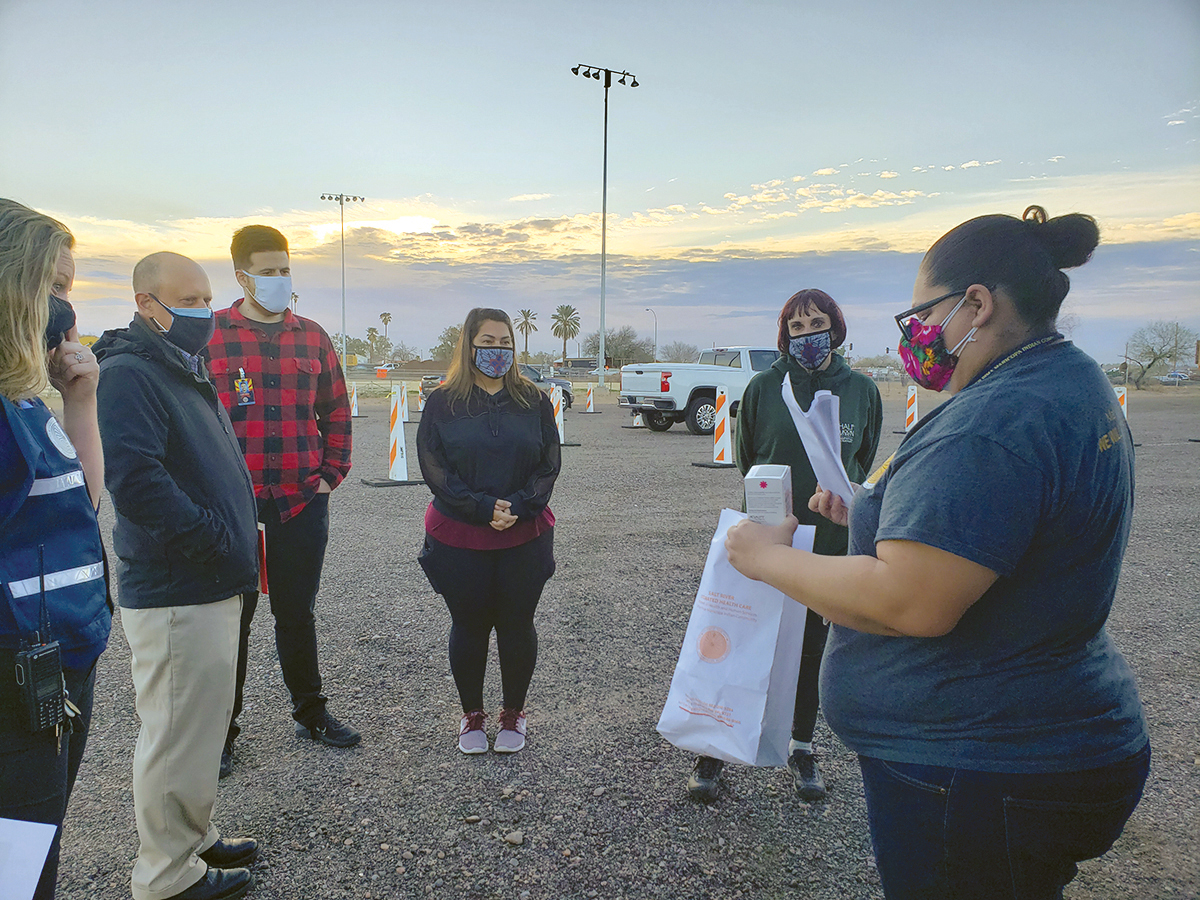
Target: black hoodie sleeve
{"type": "Point", "coordinates": [534, 497]}
{"type": "Point", "coordinates": [134, 428]}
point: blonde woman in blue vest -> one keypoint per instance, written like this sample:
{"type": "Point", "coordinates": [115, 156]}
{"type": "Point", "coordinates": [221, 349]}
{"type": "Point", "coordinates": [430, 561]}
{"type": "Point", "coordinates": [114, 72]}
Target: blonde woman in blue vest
{"type": "Point", "coordinates": [54, 609]}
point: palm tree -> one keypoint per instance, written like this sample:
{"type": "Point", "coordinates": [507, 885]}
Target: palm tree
{"type": "Point", "coordinates": [372, 337]}
{"type": "Point", "coordinates": [525, 325]}
{"type": "Point", "coordinates": [385, 318]}
{"type": "Point", "coordinates": [566, 326]}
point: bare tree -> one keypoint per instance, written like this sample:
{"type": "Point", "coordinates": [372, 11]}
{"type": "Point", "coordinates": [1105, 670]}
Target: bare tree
{"type": "Point", "coordinates": [679, 351]}
{"type": "Point", "coordinates": [622, 346]}
{"type": "Point", "coordinates": [1157, 343]}
{"type": "Point", "coordinates": [403, 353]}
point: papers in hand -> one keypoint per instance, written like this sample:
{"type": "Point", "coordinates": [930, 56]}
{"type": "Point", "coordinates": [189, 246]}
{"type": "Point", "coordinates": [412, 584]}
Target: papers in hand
{"type": "Point", "coordinates": [821, 432]}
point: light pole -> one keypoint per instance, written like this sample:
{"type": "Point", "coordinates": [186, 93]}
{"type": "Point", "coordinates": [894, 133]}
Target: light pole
{"type": "Point", "coordinates": [594, 72]}
{"type": "Point", "coordinates": [341, 200]}
{"type": "Point", "coordinates": [653, 313]}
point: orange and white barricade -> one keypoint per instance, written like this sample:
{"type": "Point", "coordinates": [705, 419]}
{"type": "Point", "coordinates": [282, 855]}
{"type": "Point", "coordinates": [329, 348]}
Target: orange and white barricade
{"type": "Point", "coordinates": [556, 400]}
{"type": "Point", "coordinates": [722, 440]}
{"type": "Point", "coordinates": [397, 455]}
{"type": "Point", "coordinates": [420, 401]}
{"type": "Point", "coordinates": [910, 409]}
{"type": "Point", "coordinates": [354, 401]}
{"type": "Point", "coordinates": [1121, 391]}
{"type": "Point", "coordinates": [404, 401]}
{"type": "Point", "coordinates": [591, 399]}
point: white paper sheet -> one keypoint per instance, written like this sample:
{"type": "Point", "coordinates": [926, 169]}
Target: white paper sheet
{"type": "Point", "coordinates": [23, 849]}
{"type": "Point", "coordinates": [821, 431]}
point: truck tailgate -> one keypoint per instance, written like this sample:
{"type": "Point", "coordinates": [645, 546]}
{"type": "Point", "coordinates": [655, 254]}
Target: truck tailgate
{"type": "Point", "coordinates": [641, 380]}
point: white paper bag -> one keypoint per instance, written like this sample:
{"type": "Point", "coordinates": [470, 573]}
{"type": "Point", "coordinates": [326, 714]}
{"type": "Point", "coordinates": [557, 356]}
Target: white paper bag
{"type": "Point", "coordinates": [734, 688]}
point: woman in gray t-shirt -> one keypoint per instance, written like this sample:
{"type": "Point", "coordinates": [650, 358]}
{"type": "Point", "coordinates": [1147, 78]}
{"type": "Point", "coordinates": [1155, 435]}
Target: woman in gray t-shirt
{"type": "Point", "coordinates": [998, 728]}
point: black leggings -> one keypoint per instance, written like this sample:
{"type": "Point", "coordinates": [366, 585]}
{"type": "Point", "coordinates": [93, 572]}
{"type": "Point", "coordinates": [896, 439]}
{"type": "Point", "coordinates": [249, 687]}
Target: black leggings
{"type": "Point", "coordinates": [486, 589]}
{"type": "Point", "coordinates": [804, 719]}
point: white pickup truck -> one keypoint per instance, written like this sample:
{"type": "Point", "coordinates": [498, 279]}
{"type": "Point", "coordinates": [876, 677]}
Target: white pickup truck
{"type": "Point", "coordinates": [666, 393]}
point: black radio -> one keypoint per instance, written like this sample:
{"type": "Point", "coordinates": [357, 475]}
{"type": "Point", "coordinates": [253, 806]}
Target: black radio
{"type": "Point", "coordinates": [40, 679]}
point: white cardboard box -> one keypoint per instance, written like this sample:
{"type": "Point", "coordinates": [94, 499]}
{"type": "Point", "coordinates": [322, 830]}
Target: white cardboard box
{"type": "Point", "coordinates": [769, 494]}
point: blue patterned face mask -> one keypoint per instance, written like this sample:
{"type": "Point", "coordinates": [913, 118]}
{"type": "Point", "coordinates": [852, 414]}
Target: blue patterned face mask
{"type": "Point", "coordinates": [811, 350]}
{"type": "Point", "coordinates": [494, 362]}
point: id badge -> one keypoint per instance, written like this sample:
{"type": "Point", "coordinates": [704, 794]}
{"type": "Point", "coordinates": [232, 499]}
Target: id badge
{"type": "Point", "coordinates": [245, 389]}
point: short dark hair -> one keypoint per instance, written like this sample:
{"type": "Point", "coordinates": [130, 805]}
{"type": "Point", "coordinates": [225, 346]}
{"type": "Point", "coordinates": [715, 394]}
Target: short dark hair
{"type": "Point", "coordinates": [1023, 256]}
{"type": "Point", "coordinates": [803, 301]}
{"type": "Point", "coordinates": [254, 239]}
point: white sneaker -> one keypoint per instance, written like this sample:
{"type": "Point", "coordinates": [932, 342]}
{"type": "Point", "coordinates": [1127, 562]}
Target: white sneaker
{"type": "Point", "coordinates": [471, 736]}
{"type": "Point", "coordinates": [511, 737]}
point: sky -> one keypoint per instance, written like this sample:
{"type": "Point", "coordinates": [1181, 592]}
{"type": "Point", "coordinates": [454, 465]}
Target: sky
{"type": "Point", "coordinates": [769, 146]}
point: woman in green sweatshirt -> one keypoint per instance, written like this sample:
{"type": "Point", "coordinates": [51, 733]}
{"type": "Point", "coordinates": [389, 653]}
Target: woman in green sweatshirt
{"type": "Point", "coordinates": [811, 327]}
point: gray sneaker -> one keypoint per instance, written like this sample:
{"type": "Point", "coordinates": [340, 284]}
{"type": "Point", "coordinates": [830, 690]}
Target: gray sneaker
{"type": "Point", "coordinates": [810, 785]}
{"type": "Point", "coordinates": [511, 736]}
{"type": "Point", "coordinates": [471, 736]}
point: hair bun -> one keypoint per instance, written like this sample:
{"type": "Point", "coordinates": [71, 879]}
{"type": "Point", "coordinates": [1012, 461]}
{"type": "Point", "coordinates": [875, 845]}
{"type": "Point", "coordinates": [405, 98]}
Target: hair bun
{"type": "Point", "coordinates": [1069, 239]}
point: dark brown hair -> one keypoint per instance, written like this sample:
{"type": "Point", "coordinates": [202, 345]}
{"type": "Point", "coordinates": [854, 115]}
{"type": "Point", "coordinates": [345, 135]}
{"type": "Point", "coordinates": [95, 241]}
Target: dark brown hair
{"type": "Point", "coordinates": [803, 301]}
{"type": "Point", "coordinates": [255, 239]}
{"type": "Point", "coordinates": [1023, 256]}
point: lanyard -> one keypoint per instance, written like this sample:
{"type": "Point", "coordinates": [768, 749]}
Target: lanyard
{"type": "Point", "coordinates": [1048, 339]}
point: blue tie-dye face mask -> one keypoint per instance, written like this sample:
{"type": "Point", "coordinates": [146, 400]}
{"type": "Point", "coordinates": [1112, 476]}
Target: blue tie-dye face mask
{"type": "Point", "coordinates": [494, 362]}
{"type": "Point", "coordinates": [811, 350]}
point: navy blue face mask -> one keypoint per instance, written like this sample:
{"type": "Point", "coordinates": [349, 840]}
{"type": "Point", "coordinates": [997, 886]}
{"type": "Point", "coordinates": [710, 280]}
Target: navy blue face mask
{"type": "Point", "coordinates": [191, 329]}
{"type": "Point", "coordinates": [62, 320]}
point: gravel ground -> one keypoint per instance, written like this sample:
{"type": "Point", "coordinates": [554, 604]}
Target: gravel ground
{"type": "Point", "coordinates": [596, 805]}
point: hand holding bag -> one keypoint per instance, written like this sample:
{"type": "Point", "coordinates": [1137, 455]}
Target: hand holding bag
{"type": "Point", "coordinates": [734, 688]}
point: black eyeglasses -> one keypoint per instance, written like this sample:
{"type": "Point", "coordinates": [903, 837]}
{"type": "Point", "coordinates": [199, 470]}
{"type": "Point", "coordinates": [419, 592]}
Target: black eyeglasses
{"type": "Point", "coordinates": [902, 320]}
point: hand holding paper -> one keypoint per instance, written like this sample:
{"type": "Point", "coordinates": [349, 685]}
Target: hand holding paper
{"type": "Point", "coordinates": [821, 432]}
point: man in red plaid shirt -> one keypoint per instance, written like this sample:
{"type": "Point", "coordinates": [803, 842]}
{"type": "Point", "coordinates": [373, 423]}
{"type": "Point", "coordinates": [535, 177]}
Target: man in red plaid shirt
{"type": "Point", "coordinates": [280, 379]}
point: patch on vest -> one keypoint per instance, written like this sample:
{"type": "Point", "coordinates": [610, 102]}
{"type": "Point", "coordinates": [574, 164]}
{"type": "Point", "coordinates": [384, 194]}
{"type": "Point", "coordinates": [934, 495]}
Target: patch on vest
{"type": "Point", "coordinates": [59, 439]}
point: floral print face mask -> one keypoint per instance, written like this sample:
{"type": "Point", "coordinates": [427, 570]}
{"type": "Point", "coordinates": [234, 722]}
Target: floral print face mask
{"type": "Point", "coordinates": [811, 350]}
{"type": "Point", "coordinates": [925, 356]}
{"type": "Point", "coordinates": [494, 362]}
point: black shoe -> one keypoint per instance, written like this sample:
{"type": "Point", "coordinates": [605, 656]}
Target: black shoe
{"type": "Point", "coordinates": [227, 760]}
{"type": "Point", "coordinates": [329, 730]}
{"type": "Point", "coordinates": [231, 854]}
{"type": "Point", "coordinates": [219, 884]}
{"type": "Point", "coordinates": [704, 785]}
{"type": "Point", "coordinates": [810, 785]}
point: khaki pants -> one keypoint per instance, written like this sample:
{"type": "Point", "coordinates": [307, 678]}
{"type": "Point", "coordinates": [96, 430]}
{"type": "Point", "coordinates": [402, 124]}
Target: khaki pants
{"type": "Point", "coordinates": [184, 668]}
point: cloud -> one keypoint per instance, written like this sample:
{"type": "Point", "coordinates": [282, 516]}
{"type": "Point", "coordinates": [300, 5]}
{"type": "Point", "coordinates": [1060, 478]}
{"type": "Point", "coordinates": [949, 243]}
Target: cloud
{"type": "Point", "coordinates": [521, 198]}
{"type": "Point", "coordinates": [948, 168]}
{"type": "Point", "coordinates": [889, 174]}
{"type": "Point", "coordinates": [1177, 122]}
{"type": "Point", "coordinates": [826, 171]}
{"type": "Point", "coordinates": [973, 164]}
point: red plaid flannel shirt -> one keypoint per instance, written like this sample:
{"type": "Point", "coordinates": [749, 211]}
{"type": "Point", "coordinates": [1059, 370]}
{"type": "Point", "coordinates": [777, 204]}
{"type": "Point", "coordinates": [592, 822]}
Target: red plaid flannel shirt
{"type": "Point", "coordinates": [297, 431]}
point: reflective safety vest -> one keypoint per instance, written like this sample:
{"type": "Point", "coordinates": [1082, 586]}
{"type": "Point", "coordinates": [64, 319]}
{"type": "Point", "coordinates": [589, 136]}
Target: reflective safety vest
{"type": "Point", "coordinates": [46, 506]}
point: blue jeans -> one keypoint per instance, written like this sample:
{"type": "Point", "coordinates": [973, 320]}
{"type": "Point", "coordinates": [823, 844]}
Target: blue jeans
{"type": "Point", "coordinates": [956, 834]}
